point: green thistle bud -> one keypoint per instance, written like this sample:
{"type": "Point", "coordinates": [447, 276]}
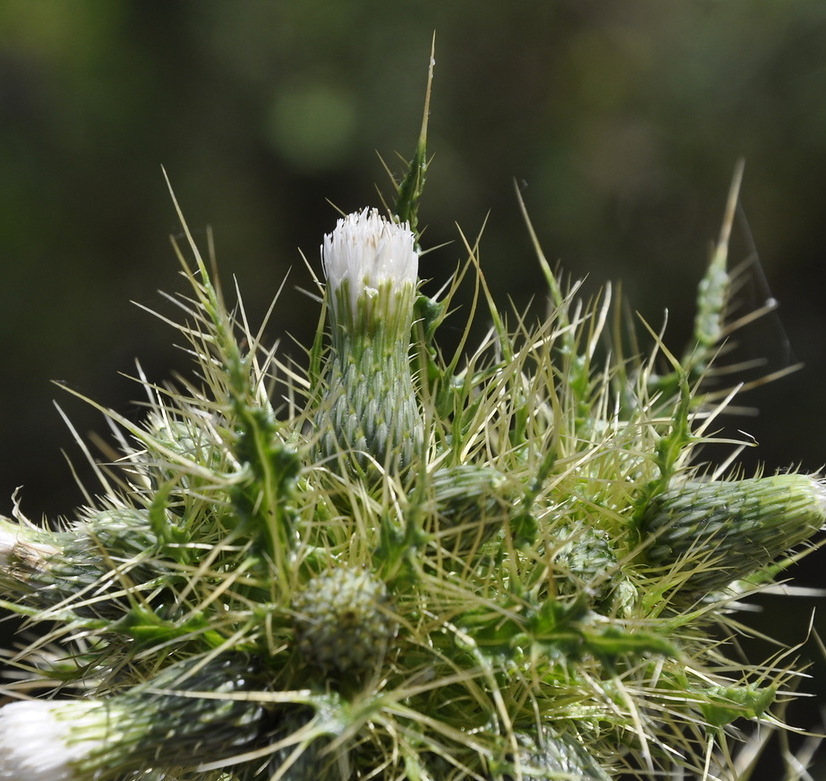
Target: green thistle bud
{"type": "Point", "coordinates": [371, 411]}
{"type": "Point", "coordinates": [586, 562]}
{"type": "Point", "coordinates": [306, 758]}
{"type": "Point", "coordinates": [186, 440]}
{"type": "Point", "coordinates": [723, 531]}
{"type": "Point", "coordinates": [84, 564]}
{"type": "Point", "coordinates": [471, 503]}
{"type": "Point", "coordinates": [122, 532]}
{"type": "Point", "coordinates": [557, 756]}
{"type": "Point", "coordinates": [342, 620]}
{"type": "Point", "coordinates": [25, 555]}
{"type": "Point", "coordinates": [149, 726]}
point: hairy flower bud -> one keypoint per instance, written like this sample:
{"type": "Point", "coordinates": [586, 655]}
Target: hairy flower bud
{"type": "Point", "coordinates": [550, 755]}
{"type": "Point", "coordinates": [150, 726]}
{"type": "Point", "coordinates": [371, 412]}
{"type": "Point", "coordinates": [585, 563]}
{"type": "Point", "coordinates": [304, 754]}
{"type": "Point", "coordinates": [726, 530]}
{"type": "Point", "coordinates": [471, 503]}
{"type": "Point", "coordinates": [25, 553]}
{"type": "Point", "coordinates": [171, 443]}
{"type": "Point", "coordinates": [342, 620]}
{"type": "Point", "coordinates": [80, 568]}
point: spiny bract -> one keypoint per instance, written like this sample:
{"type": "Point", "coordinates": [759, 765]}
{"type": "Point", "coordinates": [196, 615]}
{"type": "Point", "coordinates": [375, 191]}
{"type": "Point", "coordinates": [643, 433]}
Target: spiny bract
{"type": "Point", "coordinates": [497, 563]}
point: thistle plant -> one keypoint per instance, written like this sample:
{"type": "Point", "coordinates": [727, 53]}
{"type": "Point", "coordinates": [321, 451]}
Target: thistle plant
{"type": "Point", "coordinates": [500, 562]}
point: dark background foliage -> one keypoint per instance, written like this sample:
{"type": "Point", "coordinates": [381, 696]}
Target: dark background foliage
{"type": "Point", "coordinates": [620, 121]}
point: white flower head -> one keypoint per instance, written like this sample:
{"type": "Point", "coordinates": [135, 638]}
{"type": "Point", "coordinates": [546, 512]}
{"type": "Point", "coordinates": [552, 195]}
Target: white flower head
{"type": "Point", "coordinates": [35, 744]}
{"type": "Point", "coordinates": [366, 251]}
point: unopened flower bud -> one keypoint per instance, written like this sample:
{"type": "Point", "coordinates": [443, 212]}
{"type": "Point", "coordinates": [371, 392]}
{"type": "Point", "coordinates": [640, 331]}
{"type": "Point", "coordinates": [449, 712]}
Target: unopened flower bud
{"type": "Point", "coordinates": [25, 553]}
{"type": "Point", "coordinates": [172, 442]}
{"type": "Point", "coordinates": [149, 726]}
{"type": "Point", "coordinates": [552, 755]}
{"type": "Point", "coordinates": [371, 267]}
{"type": "Point", "coordinates": [342, 620]}
{"type": "Point", "coordinates": [307, 756]}
{"type": "Point", "coordinates": [585, 562]}
{"type": "Point", "coordinates": [79, 568]}
{"type": "Point", "coordinates": [723, 531]}
{"type": "Point", "coordinates": [471, 503]}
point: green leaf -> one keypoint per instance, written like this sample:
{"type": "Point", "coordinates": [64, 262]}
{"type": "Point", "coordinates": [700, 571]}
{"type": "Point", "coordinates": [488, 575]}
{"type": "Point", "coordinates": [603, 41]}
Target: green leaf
{"type": "Point", "coordinates": [728, 703]}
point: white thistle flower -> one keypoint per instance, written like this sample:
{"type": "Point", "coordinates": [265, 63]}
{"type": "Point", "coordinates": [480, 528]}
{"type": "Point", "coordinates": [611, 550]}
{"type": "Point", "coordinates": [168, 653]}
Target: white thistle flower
{"type": "Point", "coordinates": [371, 267]}
{"type": "Point", "coordinates": [365, 252]}
{"type": "Point", "coordinates": [151, 725]}
{"type": "Point", "coordinates": [35, 743]}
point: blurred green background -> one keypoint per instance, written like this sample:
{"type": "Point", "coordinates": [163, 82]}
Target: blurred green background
{"type": "Point", "coordinates": [621, 122]}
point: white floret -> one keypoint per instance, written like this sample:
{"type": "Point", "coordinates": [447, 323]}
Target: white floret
{"type": "Point", "coordinates": [35, 745]}
{"type": "Point", "coordinates": [366, 251]}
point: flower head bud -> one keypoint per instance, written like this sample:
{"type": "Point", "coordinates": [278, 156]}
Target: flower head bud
{"type": "Point", "coordinates": [371, 412]}
{"type": "Point", "coordinates": [723, 531]}
{"type": "Point", "coordinates": [471, 504]}
{"type": "Point", "coordinates": [550, 755]}
{"type": "Point", "coordinates": [585, 563]}
{"type": "Point", "coordinates": [342, 620]}
{"type": "Point", "coordinates": [309, 756]}
{"type": "Point", "coordinates": [25, 553]}
{"type": "Point", "coordinates": [171, 443]}
{"type": "Point", "coordinates": [149, 726]}
{"type": "Point", "coordinates": [75, 567]}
